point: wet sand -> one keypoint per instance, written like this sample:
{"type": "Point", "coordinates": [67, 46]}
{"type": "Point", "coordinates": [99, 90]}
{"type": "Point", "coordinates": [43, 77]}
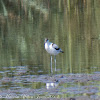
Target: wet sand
{"type": "Point", "coordinates": [86, 92]}
{"type": "Point", "coordinates": [54, 87]}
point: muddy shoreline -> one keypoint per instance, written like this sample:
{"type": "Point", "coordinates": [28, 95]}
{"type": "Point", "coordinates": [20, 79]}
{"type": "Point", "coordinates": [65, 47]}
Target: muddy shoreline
{"type": "Point", "coordinates": [53, 87]}
{"type": "Point", "coordinates": [89, 90]}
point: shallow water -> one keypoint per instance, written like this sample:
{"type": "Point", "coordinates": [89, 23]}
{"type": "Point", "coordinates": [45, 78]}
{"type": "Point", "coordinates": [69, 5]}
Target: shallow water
{"type": "Point", "coordinates": [73, 25]}
{"type": "Point", "coordinates": [17, 82]}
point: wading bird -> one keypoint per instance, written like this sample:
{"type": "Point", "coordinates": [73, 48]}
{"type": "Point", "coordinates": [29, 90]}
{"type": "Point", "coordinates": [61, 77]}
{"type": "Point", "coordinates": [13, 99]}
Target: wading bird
{"type": "Point", "coordinates": [52, 49]}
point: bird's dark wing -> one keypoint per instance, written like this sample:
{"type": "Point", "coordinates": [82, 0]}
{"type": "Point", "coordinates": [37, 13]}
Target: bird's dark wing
{"type": "Point", "coordinates": [55, 46]}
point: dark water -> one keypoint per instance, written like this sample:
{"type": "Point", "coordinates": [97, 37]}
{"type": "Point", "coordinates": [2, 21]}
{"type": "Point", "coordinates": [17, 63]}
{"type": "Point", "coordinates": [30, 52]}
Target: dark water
{"type": "Point", "coordinates": [74, 25]}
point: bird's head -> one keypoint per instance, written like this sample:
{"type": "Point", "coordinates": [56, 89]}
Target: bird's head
{"type": "Point", "coordinates": [46, 40]}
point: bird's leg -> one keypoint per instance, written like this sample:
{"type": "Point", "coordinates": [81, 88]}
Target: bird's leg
{"type": "Point", "coordinates": [55, 63]}
{"type": "Point", "coordinates": [51, 64]}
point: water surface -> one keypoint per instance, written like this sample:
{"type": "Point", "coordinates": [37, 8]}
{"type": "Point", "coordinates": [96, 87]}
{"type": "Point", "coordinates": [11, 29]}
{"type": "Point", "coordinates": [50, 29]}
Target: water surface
{"type": "Point", "coordinates": [24, 24]}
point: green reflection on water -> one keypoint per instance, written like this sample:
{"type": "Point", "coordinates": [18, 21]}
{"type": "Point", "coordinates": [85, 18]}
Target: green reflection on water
{"type": "Point", "coordinates": [73, 25]}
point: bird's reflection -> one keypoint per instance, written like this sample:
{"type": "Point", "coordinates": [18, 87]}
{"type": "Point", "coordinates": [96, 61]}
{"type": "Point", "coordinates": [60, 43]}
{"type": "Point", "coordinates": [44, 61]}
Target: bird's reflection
{"type": "Point", "coordinates": [51, 85]}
